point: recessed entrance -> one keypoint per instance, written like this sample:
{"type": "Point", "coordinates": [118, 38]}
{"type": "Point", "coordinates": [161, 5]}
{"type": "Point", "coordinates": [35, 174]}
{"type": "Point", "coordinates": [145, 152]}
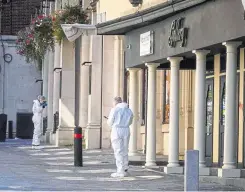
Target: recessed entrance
{"type": "Point", "coordinates": [24, 128]}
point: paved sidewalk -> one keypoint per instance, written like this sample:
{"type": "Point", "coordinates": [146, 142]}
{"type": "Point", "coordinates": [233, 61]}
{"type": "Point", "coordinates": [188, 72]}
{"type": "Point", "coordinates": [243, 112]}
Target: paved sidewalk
{"type": "Point", "coordinates": [51, 169]}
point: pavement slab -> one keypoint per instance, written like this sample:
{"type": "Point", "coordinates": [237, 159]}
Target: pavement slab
{"type": "Point", "coordinates": [51, 169]}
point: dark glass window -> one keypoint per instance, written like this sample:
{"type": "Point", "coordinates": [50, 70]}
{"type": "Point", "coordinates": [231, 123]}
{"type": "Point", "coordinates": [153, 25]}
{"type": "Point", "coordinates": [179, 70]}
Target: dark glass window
{"type": "Point", "coordinates": [223, 106]}
{"type": "Point", "coordinates": [144, 96]}
{"type": "Point", "coordinates": [166, 96]}
{"type": "Point", "coordinates": [210, 65]}
{"type": "Point", "coordinates": [209, 109]}
{"type": "Point", "coordinates": [125, 92]}
{"type": "Point", "coordinates": [238, 59]}
{"type": "Point", "coordinates": [222, 62]}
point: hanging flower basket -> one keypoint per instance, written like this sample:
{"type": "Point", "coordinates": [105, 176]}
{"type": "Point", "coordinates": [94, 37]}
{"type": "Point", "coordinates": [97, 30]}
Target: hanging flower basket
{"type": "Point", "coordinates": [43, 33]}
{"type": "Point", "coordinates": [34, 41]}
{"type": "Point", "coordinates": [69, 15]}
{"type": "Point", "coordinates": [27, 47]}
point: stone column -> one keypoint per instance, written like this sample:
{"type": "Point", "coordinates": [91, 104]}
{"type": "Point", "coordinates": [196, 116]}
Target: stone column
{"type": "Point", "coordinates": [84, 85]}
{"type": "Point", "coordinates": [57, 64]}
{"type": "Point", "coordinates": [50, 96]}
{"type": "Point", "coordinates": [45, 79]}
{"type": "Point", "coordinates": [56, 74]}
{"type": "Point", "coordinates": [133, 105]}
{"type": "Point", "coordinates": [93, 130]}
{"type": "Point", "coordinates": [199, 112]}
{"type": "Point", "coordinates": [229, 164]}
{"type": "Point", "coordinates": [151, 116]}
{"type": "Point", "coordinates": [173, 152]}
{"type": "Point", "coordinates": [117, 54]}
{"type": "Point", "coordinates": [64, 134]}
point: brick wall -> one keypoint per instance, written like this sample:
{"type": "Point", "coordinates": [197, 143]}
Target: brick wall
{"type": "Point", "coordinates": [21, 11]}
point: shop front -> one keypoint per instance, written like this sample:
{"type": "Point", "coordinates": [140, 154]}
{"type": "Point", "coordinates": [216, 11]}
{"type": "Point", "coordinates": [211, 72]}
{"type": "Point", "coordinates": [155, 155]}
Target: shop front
{"type": "Point", "coordinates": [194, 91]}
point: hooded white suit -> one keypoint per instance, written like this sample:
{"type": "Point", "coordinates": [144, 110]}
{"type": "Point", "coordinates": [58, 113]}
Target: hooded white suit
{"type": "Point", "coordinates": [37, 110]}
{"type": "Point", "coordinates": [120, 119]}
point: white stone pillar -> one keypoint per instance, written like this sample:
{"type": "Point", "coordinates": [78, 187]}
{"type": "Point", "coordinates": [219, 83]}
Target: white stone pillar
{"type": "Point", "coordinates": [56, 74]}
{"type": "Point", "coordinates": [84, 85]}
{"type": "Point", "coordinates": [93, 130]}
{"type": "Point", "coordinates": [45, 79]}
{"type": "Point", "coordinates": [229, 164]}
{"type": "Point", "coordinates": [133, 105]}
{"type": "Point", "coordinates": [173, 152]}
{"type": "Point", "coordinates": [117, 54]}
{"type": "Point", "coordinates": [50, 96]}
{"type": "Point", "coordinates": [151, 116]}
{"type": "Point", "coordinates": [57, 64]}
{"type": "Point", "coordinates": [200, 113]}
{"type": "Point", "coordinates": [64, 134]}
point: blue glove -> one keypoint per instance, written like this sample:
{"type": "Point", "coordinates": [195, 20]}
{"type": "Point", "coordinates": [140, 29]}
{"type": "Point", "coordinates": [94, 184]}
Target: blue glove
{"type": "Point", "coordinates": [44, 104]}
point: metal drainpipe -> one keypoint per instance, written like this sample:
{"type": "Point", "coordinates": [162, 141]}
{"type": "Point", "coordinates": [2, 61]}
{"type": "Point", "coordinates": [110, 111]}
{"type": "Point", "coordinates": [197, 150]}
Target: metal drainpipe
{"type": "Point", "coordinates": [102, 64]}
{"type": "Point", "coordinates": [3, 82]}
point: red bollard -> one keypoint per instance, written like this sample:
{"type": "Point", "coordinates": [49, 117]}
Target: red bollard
{"type": "Point", "coordinates": [78, 149]}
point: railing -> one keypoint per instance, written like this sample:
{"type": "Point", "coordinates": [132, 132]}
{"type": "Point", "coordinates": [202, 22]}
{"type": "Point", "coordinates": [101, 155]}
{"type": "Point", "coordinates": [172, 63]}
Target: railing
{"type": "Point", "coordinates": [45, 125]}
{"type": "Point", "coordinates": [56, 121]}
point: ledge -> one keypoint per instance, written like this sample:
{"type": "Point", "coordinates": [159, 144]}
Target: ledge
{"type": "Point", "coordinates": [122, 25]}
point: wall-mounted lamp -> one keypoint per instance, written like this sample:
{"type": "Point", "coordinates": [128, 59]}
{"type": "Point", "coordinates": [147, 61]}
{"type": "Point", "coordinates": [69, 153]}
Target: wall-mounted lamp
{"type": "Point", "coordinates": [40, 80]}
{"type": "Point", "coordinates": [136, 3]}
{"type": "Point", "coordinates": [57, 69]}
{"type": "Point", "coordinates": [87, 63]}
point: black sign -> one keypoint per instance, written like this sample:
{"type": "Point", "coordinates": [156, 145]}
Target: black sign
{"type": "Point", "coordinates": [178, 33]}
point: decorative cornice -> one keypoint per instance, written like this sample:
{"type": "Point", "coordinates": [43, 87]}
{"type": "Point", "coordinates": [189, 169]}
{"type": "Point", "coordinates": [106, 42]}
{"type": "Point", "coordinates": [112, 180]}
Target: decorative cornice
{"type": "Point", "coordinates": [124, 24]}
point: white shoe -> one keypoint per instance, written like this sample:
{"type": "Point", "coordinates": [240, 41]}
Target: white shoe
{"type": "Point", "coordinates": [37, 147]}
{"type": "Point", "coordinates": [118, 175]}
{"type": "Point", "coordinates": [34, 146]}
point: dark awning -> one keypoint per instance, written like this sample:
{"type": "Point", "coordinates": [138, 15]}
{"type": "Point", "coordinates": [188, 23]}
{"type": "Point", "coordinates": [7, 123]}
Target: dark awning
{"type": "Point", "coordinates": [124, 24]}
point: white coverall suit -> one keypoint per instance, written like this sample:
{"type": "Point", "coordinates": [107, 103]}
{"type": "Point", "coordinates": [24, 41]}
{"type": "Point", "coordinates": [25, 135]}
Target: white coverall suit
{"type": "Point", "coordinates": [37, 110]}
{"type": "Point", "coordinates": [120, 119]}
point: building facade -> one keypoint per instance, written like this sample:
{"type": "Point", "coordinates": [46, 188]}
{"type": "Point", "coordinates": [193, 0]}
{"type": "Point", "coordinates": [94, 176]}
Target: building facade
{"type": "Point", "coordinates": [179, 65]}
{"type": "Point", "coordinates": [186, 83]}
{"type": "Point", "coordinates": [18, 88]}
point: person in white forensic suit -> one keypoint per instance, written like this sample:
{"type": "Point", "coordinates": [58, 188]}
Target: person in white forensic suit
{"type": "Point", "coordinates": [120, 118]}
{"type": "Point", "coordinates": [37, 109]}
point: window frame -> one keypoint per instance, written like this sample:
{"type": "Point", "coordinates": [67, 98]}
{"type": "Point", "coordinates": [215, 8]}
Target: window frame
{"type": "Point", "coordinates": [144, 96]}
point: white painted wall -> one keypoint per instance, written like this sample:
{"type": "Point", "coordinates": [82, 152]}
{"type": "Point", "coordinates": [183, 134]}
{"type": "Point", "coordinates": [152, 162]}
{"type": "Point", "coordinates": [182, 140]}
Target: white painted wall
{"type": "Point", "coordinates": [17, 81]}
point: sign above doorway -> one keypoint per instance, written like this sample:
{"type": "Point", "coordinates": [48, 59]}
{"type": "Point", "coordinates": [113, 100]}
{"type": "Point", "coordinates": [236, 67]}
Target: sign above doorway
{"type": "Point", "coordinates": [146, 43]}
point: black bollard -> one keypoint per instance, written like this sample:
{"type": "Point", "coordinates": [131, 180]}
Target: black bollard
{"type": "Point", "coordinates": [10, 130]}
{"type": "Point", "coordinates": [78, 149]}
{"type": "Point", "coordinates": [3, 127]}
